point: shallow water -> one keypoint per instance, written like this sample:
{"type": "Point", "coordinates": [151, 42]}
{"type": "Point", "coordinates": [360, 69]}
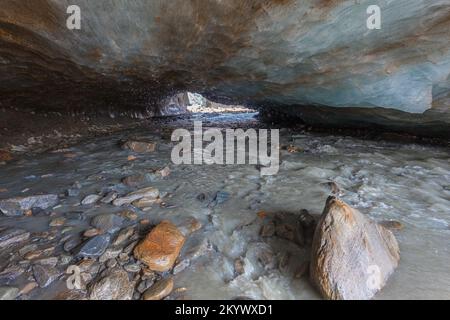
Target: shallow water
{"type": "Point", "coordinates": [405, 182]}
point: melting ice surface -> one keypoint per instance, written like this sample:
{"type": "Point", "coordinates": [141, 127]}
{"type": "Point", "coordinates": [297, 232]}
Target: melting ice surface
{"type": "Point", "coordinates": [405, 182]}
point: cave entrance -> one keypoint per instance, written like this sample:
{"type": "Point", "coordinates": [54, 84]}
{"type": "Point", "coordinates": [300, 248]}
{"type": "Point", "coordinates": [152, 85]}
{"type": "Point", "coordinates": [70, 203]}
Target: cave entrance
{"type": "Point", "coordinates": [199, 104]}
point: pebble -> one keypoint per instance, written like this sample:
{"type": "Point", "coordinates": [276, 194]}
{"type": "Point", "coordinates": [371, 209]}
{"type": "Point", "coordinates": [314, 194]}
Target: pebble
{"type": "Point", "coordinates": [159, 290]}
{"type": "Point", "coordinates": [111, 263]}
{"type": "Point", "coordinates": [239, 267]}
{"type": "Point", "coordinates": [12, 236]}
{"type": "Point", "coordinates": [132, 267]}
{"type": "Point", "coordinates": [110, 197]}
{"type": "Point", "coordinates": [10, 274]}
{"type": "Point", "coordinates": [139, 146]}
{"type": "Point", "coordinates": [90, 199]}
{"type": "Point", "coordinates": [123, 236]}
{"type": "Point", "coordinates": [20, 205]}
{"type": "Point", "coordinates": [58, 222]}
{"type": "Point", "coordinates": [51, 261]}
{"type": "Point", "coordinates": [89, 233]}
{"type": "Point", "coordinates": [107, 222]}
{"type": "Point", "coordinates": [95, 247]}
{"type": "Point", "coordinates": [181, 266]}
{"type": "Point", "coordinates": [110, 253]}
{"type": "Point", "coordinates": [8, 293]}
{"type": "Point", "coordinates": [45, 275]}
{"type": "Point", "coordinates": [130, 215]}
{"type": "Point", "coordinates": [149, 192]}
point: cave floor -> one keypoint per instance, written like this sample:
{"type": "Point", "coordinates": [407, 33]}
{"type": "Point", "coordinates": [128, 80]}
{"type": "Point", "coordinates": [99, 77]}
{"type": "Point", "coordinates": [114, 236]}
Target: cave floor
{"type": "Point", "coordinates": [228, 257]}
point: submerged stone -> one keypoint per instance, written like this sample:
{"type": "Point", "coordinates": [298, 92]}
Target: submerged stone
{"type": "Point", "coordinates": [20, 205]}
{"type": "Point", "coordinates": [95, 247]}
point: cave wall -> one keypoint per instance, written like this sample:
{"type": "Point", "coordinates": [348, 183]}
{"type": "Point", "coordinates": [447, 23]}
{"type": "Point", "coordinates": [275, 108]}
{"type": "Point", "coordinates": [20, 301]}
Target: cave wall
{"type": "Point", "coordinates": [278, 53]}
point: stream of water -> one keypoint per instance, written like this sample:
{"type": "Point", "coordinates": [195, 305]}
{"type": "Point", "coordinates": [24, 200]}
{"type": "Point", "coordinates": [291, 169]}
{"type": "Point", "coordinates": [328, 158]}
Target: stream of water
{"type": "Point", "coordinates": [409, 183]}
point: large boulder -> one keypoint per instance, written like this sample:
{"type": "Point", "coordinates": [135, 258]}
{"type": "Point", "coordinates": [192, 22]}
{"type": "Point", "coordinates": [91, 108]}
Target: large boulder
{"type": "Point", "coordinates": [352, 256]}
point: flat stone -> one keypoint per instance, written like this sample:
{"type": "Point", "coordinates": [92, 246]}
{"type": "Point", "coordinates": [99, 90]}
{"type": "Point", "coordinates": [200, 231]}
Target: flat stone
{"type": "Point", "coordinates": [159, 290]}
{"type": "Point", "coordinates": [107, 222]}
{"type": "Point", "coordinates": [352, 256]}
{"type": "Point", "coordinates": [51, 261]}
{"type": "Point", "coordinates": [149, 192]}
{"type": "Point", "coordinates": [139, 179]}
{"type": "Point", "coordinates": [110, 197]}
{"type": "Point", "coordinates": [123, 236]}
{"type": "Point", "coordinates": [139, 146]}
{"type": "Point", "coordinates": [12, 236]}
{"type": "Point", "coordinates": [45, 275]}
{"type": "Point", "coordinates": [161, 247]}
{"type": "Point", "coordinates": [90, 199]}
{"type": "Point", "coordinates": [95, 247]}
{"type": "Point", "coordinates": [144, 203]}
{"type": "Point", "coordinates": [20, 205]}
{"type": "Point", "coordinates": [114, 286]}
{"type": "Point", "coordinates": [10, 274]}
{"type": "Point", "coordinates": [8, 293]}
{"type": "Point", "coordinates": [110, 253]}
{"type": "Point", "coordinates": [57, 222]}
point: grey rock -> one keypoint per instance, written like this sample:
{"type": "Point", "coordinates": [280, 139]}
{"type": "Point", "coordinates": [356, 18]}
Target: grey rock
{"type": "Point", "coordinates": [95, 246]}
{"type": "Point", "coordinates": [110, 197]}
{"type": "Point", "coordinates": [71, 243]}
{"type": "Point", "coordinates": [115, 285]}
{"type": "Point", "coordinates": [90, 199]}
{"type": "Point", "coordinates": [8, 293]}
{"type": "Point", "coordinates": [149, 192]}
{"type": "Point", "coordinates": [45, 275]}
{"type": "Point", "coordinates": [19, 205]}
{"type": "Point", "coordinates": [123, 236]}
{"type": "Point", "coordinates": [12, 236]}
{"type": "Point", "coordinates": [132, 267]}
{"type": "Point", "coordinates": [10, 274]}
{"type": "Point", "coordinates": [110, 253]}
{"type": "Point", "coordinates": [347, 249]}
{"type": "Point", "coordinates": [107, 222]}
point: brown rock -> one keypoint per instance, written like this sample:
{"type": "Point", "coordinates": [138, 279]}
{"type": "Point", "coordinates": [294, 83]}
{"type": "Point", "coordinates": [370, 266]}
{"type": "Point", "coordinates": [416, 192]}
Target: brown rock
{"type": "Point", "coordinates": [28, 288]}
{"type": "Point", "coordinates": [140, 146]}
{"type": "Point", "coordinates": [352, 256]}
{"type": "Point", "coordinates": [91, 233]}
{"type": "Point", "coordinates": [392, 225]}
{"type": "Point", "coordinates": [161, 247]}
{"type": "Point", "coordinates": [159, 290]}
{"type": "Point", "coordinates": [5, 156]}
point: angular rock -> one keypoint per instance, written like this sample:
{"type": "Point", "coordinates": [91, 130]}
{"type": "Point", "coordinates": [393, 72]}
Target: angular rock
{"type": "Point", "coordinates": [114, 286]}
{"type": "Point", "coordinates": [8, 293]}
{"type": "Point", "coordinates": [107, 222]}
{"type": "Point", "coordinates": [161, 247]}
{"type": "Point", "coordinates": [352, 256]}
{"type": "Point", "coordinates": [45, 275]}
{"type": "Point", "coordinates": [95, 247]}
{"type": "Point", "coordinates": [139, 146]}
{"type": "Point", "coordinates": [12, 236]}
{"type": "Point", "coordinates": [149, 192]}
{"type": "Point", "coordinates": [20, 205]}
{"type": "Point", "coordinates": [159, 290]}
